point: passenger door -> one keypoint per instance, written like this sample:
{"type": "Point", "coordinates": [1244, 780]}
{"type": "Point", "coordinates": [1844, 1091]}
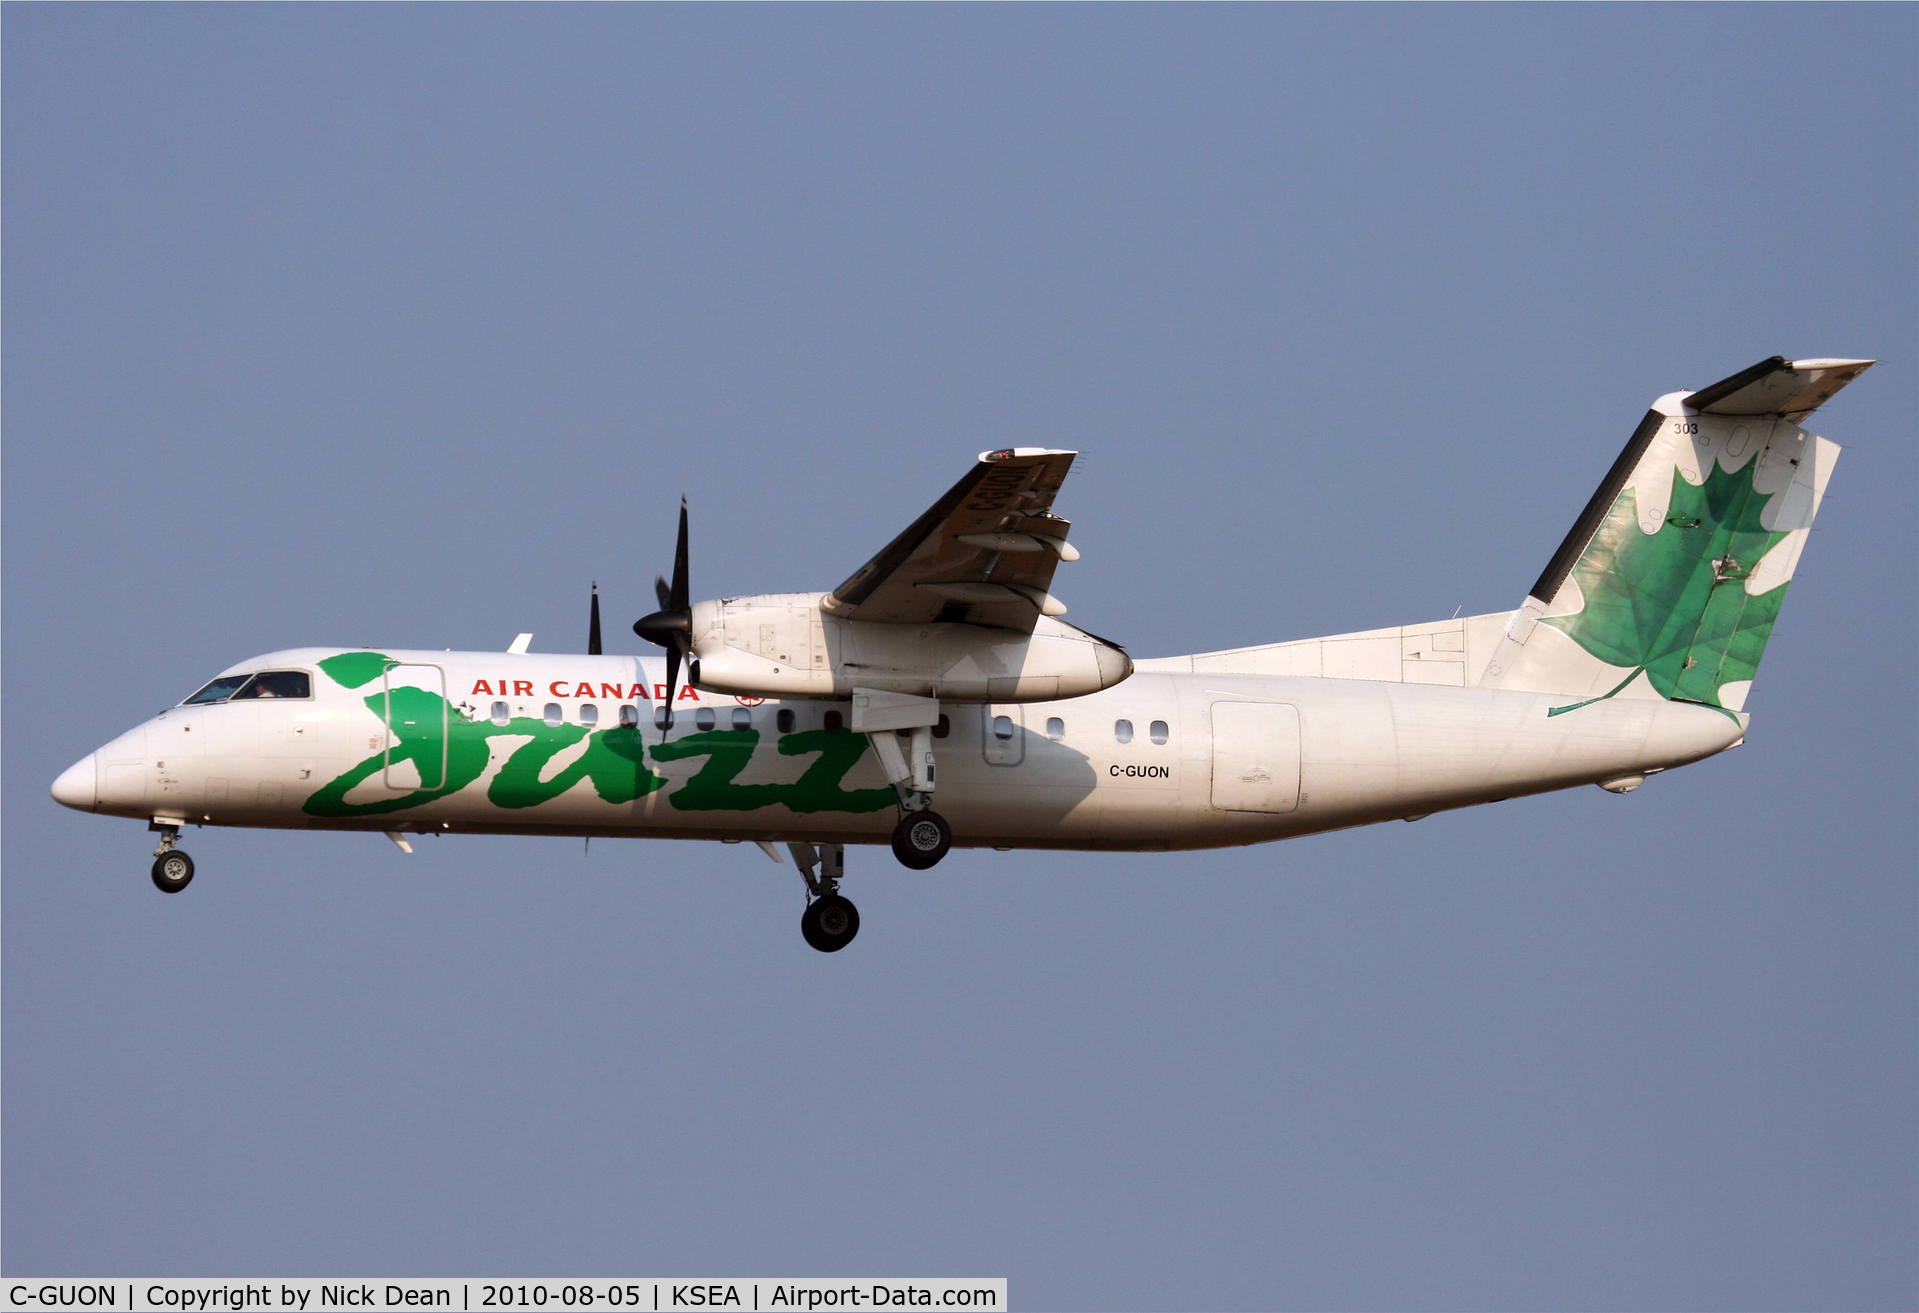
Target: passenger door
{"type": "Point", "coordinates": [1255, 756]}
{"type": "Point", "coordinates": [416, 716]}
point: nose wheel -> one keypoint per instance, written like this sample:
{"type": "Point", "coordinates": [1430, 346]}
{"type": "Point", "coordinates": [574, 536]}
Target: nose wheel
{"type": "Point", "coordinates": [830, 920]}
{"type": "Point", "coordinates": [829, 923]}
{"type": "Point", "coordinates": [172, 871]}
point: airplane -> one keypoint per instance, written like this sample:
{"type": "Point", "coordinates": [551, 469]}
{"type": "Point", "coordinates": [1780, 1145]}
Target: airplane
{"type": "Point", "coordinates": [942, 668]}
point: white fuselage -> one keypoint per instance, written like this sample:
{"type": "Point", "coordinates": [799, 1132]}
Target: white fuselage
{"type": "Point", "coordinates": [1244, 758]}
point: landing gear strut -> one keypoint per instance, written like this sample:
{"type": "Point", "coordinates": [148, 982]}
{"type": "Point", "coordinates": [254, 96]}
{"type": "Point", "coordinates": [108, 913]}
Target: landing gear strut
{"type": "Point", "coordinates": [830, 920]}
{"type": "Point", "coordinates": [172, 869]}
{"type": "Point", "coordinates": [922, 836]}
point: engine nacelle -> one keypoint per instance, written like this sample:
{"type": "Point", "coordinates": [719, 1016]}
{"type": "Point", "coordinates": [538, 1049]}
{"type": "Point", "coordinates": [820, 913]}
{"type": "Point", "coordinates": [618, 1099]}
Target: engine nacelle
{"type": "Point", "coordinates": [782, 645]}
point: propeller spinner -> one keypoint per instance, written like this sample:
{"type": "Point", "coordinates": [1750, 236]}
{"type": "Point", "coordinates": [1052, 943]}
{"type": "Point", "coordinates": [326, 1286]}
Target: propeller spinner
{"type": "Point", "coordinates": [671, 627]}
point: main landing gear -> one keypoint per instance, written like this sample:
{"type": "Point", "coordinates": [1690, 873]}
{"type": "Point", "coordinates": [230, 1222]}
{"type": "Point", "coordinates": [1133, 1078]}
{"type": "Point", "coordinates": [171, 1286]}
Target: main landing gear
{"type": "Point", "coordinates": [900, 727]}
{"type": "Point", "coordinates": [172, 869]}
{"type": "Point", "coordinates": [830, 920]}
{"type": "Point", "coordinates": [921, 839]}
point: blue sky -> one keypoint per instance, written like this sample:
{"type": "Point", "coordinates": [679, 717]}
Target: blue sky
{"type": "Point", "coordinates": [398, 325]}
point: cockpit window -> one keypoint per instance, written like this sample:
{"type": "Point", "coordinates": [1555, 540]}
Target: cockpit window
{"type": "Point", "coordinates": [277, 684]}
{"type": "Point", "coordinates": [266, 684]}
{"type": "Point", "coordinates": [218, 691]}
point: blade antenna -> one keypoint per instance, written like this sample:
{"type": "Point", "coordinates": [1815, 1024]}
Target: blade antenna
{"type": "Point", "coordinates": [593, 624]}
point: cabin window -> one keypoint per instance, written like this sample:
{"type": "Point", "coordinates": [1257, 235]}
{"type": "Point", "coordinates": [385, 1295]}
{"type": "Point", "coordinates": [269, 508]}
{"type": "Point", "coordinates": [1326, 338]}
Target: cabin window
{"type": "Point", "coordinates": [703, 718]}
{"type": "Point", "coordinates": [835, 723]}
{"type": "Point", "coordinates": [1055, 728]}
{"type": "Point", "coordinates": [501, 713]}
{"type": "Point", "coordinates": [553, 716]}
{"type": "Point", "coordinates": [629, 716]}
{"type": "Point", "coordinates": [1157, 731]}
{"type": "Point", "coordinates": [784, 720]}
{"type": "Point", "coordinates": [943, 728]}
{"type": "Point", "coordinates": [277, 684]}
{"type": "Point", "coordinates": [1123, 730]}
{"type": "Point", "coordinates": [589, 714]}
{"type": "Point", "coordinates": [1002, 727]}
{"type": "Point", "coordinates": [742, 718]}
{"type": "Point", "coordinates": [662, 718]}
{"type": "Point", "coordinates": [218, 691]}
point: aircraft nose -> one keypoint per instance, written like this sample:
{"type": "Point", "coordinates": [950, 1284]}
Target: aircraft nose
{"type": "Point", "coordinates": [78, 785]}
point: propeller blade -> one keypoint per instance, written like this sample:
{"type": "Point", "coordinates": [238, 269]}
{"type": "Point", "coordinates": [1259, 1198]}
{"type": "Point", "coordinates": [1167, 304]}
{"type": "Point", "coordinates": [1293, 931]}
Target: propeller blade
{"type": "Point", "coordinates": [593, 625]}
{"type": "Point", "coordinates": [680, 600]}
{"type": "Point", "coordinates": [671, 626]}
{"type": "Point", "coordinates": [672, 688]}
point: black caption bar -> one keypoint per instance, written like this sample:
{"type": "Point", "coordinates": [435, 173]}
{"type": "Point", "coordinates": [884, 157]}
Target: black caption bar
{"type": "Point", "coordinates": [809, 1294]}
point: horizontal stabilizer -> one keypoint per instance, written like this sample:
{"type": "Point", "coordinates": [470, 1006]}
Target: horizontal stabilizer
{"type": "Point", "coordinates": [1789, 389]}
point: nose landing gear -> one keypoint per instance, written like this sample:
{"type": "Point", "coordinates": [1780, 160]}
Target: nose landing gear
{"type": "Point", "coordinates": [830, 920]}
{"type": "Point", "coordinates": [172, 869]}
{"type": "Point", "coordinates": [829, 923]}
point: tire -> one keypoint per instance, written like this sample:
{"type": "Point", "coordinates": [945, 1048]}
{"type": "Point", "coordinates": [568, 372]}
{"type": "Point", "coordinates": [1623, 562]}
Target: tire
{"type": "Point", "coordinates": [830, 923]}
{"type": "Point", "coordinates": [172, 871]}
{"type": "Point", "coordinates": [921, 839]}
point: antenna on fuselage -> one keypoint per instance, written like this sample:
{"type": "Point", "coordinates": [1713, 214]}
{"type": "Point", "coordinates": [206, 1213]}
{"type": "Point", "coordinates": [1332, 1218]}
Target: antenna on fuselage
{"type": "Point", "coordinates": [593, 624]}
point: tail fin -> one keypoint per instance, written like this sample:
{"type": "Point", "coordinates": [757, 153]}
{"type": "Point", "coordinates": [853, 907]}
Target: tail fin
{"type": "Point", "coordinates": [1670, 581]}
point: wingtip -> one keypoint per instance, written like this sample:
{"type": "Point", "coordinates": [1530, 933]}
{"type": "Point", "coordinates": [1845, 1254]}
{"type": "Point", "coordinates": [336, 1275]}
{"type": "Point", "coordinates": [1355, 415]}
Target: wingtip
{"type": "Point", "coordinates": [1832, 362]}
{"type": "Point", "coordinates": [1012, 453]}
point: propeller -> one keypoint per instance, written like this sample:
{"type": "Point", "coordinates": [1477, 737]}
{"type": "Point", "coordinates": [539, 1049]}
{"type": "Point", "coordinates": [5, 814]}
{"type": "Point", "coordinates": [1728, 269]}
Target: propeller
{"type": "Point", "coordinates": [671, 627]}
{"type": "Point", "coordinates": [593, 625]}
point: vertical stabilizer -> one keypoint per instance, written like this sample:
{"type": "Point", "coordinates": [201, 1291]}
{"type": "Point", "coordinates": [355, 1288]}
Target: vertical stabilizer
{"type": "Point", "coordinates": [1670, 581]}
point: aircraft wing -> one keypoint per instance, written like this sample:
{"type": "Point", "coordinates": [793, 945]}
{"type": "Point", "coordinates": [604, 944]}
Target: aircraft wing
{"type": "Point", "coordinates": [983, 554]}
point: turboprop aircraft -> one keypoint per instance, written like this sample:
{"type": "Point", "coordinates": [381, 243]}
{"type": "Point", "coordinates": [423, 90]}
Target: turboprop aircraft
{"type": "Point", "coordinates": [941, 668]}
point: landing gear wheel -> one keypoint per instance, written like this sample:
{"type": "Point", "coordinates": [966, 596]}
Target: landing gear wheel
{"type": "Point", "coordinates": [829, 923]}
{"type": "Point", "coordinates": [921, 839]}
{"type": "Point", "coordinates": [172, 871]}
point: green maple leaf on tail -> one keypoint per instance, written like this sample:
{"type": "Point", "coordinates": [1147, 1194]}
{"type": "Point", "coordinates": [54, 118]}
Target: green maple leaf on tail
{"type": "Point", "coordinates": [1674, 603]}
